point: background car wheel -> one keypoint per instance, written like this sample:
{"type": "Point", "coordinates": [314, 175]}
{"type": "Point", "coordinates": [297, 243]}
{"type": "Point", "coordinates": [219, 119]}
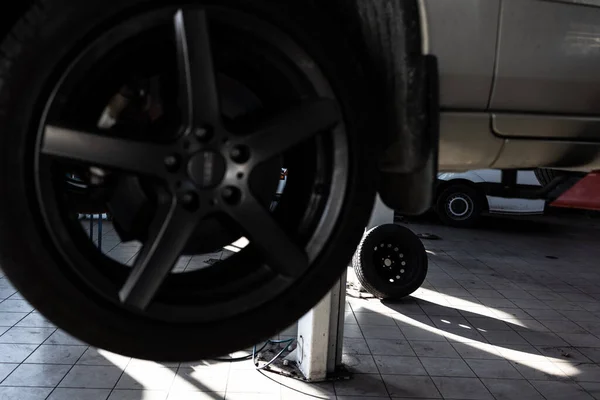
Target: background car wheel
{"type": "Point", "coordinates": [460, 206]}
{"type": "Point", "coordinates": [188, 153]}
{"type": "Point", "coordinates": [545, 175]}
{"type": "Point", "coordinates": [390, 262]}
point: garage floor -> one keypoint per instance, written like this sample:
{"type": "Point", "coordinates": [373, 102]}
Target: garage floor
{"type": "Point", "coordinates": [509, 311]}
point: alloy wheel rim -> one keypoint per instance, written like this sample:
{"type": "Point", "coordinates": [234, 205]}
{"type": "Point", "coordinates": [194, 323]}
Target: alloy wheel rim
{"type": "Point", "coordinates": [206, 170]}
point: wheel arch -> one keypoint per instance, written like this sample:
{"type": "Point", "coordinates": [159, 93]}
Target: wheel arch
{"type": "Point", "coordinates": [389, 40]}
{"type": "Point", "coordinates": [443, 185]}
{"type": "Point", "coordinates": [391, 44]}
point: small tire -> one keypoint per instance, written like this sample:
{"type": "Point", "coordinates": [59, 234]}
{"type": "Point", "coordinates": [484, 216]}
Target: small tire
{"type": "Point", "coordinates": [397, 245]}
{"type": "Point", "coordinates": [460, 206]}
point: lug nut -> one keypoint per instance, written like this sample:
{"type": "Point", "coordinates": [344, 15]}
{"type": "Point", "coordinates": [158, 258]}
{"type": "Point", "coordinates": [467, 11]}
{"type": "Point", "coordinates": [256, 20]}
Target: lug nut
{"type": "Point", "coordinates": [203, 134]}
{"type": "Point", "coordinates": [240, 154]}
{"type": "Point", "coordinates": [172, 163]}
{"type": "Point", "coordinates": [189, 199]}
{"type": "Point", "coordinates": [231, 195]}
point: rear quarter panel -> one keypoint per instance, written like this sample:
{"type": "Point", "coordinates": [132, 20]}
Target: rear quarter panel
{"type": "Point", "coordinates": [462, 35]}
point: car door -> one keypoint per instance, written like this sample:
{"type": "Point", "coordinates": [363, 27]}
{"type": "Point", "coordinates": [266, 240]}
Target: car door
{"type": "Point", "coordinates": [462, 35]}
{"type": "Point", "coordinates": [547, 80]}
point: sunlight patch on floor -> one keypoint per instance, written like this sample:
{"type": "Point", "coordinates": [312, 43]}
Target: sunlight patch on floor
{"type": "Point", "coordinates": [458, 303]}
{"type": "Point", "coordinates": [534, 361]}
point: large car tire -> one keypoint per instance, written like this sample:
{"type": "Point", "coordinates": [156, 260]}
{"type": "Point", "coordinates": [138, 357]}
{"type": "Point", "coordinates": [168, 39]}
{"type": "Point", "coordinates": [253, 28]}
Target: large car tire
{"type": "Point", "coordinates": [43, 262]}
{"type": "Point", "coordinates": [390, 262]}
{"type": "Point", "coordinates": [460, 206]}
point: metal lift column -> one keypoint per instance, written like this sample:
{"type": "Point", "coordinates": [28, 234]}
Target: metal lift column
{"type": "Point", "coordinates": [321, 330]}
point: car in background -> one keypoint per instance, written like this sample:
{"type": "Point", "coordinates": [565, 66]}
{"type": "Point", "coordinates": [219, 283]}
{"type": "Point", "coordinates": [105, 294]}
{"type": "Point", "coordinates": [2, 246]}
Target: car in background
{"type": "Point", "coordinates": [461, 198]}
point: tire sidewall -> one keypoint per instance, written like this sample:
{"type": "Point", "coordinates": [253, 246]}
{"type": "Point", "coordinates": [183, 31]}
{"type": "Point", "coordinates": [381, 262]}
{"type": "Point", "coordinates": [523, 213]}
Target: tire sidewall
{"type": "Point", "coordinates": [366, 270]}
{"type": "Point", "coordinates": [31, 71]}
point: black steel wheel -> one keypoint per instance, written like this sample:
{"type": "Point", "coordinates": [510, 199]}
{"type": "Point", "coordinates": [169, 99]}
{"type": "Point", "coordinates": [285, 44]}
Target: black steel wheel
{"type": "Point", "coordinates": [178, 118]}
{"type": "Point", "coordinates": [390, 262]}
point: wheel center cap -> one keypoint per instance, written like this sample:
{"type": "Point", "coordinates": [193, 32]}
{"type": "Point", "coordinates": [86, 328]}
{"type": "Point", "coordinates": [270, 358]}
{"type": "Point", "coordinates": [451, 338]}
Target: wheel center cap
{"type": "Point", "coordinates": [206, 168]}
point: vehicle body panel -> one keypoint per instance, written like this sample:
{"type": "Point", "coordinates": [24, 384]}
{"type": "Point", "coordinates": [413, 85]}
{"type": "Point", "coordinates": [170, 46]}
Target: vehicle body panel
{"type": "Point", "coordinates": [546, 126]}
{"type": "Point", "coordinates": [524, 177]}
{"type": "Point", "coordinates": [462, 35]}
{"type": "Point", "coordinates": [466, 141]}
{"type": "Point", "coordinates": [470, 176]}
{"type": "Point", "coordinates": [502, 205]}
{"type": "Point", "coordinates": [495, 176]}
{"type": "Point", "coordinates": [548, 58]}
{"type": "Point", "coordinates": [538, 64]}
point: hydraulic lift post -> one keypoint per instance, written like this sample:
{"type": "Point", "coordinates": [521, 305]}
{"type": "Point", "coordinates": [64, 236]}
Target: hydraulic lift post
{"type": "Point", "coordinates": [321, 331]}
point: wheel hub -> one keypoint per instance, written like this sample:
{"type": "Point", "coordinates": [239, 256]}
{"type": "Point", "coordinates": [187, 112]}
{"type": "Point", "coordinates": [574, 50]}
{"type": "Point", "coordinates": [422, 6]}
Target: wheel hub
{"type": "Point", "coordinates": [459, 207]}
{"type": "Point", "coordinates": [392, 261]}
{"type": "Point", "coordinates": [206, 168]}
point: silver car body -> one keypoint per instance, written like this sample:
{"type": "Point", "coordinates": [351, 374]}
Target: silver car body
{"type": "Point", "coordinates": [519, 82]}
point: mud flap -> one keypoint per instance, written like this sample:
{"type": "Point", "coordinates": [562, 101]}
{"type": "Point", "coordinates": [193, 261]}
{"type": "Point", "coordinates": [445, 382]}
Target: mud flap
{"type": "Point", "coordinates": [412, 192]}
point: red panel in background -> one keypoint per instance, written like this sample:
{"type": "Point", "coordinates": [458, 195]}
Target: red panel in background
{"type": "Point", "coordinates": [585, 194]}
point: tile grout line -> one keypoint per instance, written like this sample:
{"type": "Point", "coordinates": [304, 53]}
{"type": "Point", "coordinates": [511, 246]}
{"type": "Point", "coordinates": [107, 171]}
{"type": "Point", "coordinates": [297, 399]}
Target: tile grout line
{"type": "Point", "coordinates": [34, 350]}
{"type": "Point", "coordinates": [417, 356]}
{"type": "Point", "coordinates": [504, 357]}
{"type": "Point", "coordinates": [371, 354]}
{"type": "Point", "coordinates": [465, 360]}
{"type": "Point", "coordinates": [118, 379]}
{"type": "Point", "coordinates": [227, 382]}
{"type": "Point", "coordinates": [461, 357]}
{"type": "Point", "coordinates": [72, 366]}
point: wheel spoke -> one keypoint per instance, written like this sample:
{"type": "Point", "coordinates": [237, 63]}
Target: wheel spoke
{"type": "Point", "coordinates": [199, 99]}
{"type": "Point", "coordinates": [293, 127]}
{"type": "Point", "coordinates": [122, 154]}
{"type": "Point", "coordinates": [168, 235]}
{"type": "Point", "coordinates": [281, 253]}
